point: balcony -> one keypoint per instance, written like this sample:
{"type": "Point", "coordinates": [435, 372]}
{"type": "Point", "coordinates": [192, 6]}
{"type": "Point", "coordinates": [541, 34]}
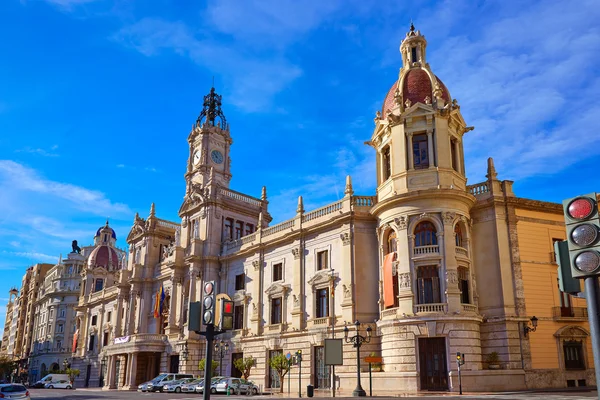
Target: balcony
{"type": "Point", "coordinates": [569, 313]}
{"type": "Point", "coordinates": [322, 322]}
{"type": "Point", "coordinates": [461, 251]}
{"type": "Point", "coordinates": [425, 250]}
{"type": "Point", "coordinates": [430, 308]}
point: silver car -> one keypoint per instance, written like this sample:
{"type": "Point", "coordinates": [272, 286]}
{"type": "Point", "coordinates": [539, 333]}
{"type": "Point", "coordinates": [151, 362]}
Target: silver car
{"type": "Point", "coordinates": [213, 383]}
{"type": "Point", "coordinates": [14, 391]}
{"type": "Point", "coordinates": [236, 385]}
{"type": "Point", "coordinates": [190, 387]}
{"type": "Point", "coordinates": [175, 386]}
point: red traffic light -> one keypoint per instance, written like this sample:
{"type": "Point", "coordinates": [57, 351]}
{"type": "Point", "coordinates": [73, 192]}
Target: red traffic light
{"type": "Point", "coordinates": [208, 288]}
{"type": "Point", "coordinates": [228, 307]}
{"type": "Point", "coordinates": [580, 208]}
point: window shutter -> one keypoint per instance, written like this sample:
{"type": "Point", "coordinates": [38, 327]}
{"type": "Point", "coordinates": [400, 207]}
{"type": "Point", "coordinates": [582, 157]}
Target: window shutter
{"type": "Point", "coordinates": [436, 289]}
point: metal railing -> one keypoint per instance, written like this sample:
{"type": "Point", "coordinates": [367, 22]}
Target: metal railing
{"type": "Point", "coordinates": [569, 312]}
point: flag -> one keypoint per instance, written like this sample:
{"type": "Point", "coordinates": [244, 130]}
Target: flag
{"type": "Point", "coordinates": [75, 337]}
{"type": "Point", "coordinates": [158, 302]}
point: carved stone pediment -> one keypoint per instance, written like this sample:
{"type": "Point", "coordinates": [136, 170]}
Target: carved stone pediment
{"type": "Point", "coordinates": [276, 289]}
{"type": "Point", "coordinates": [239, 296]}
{"type": "Point", "coordinates": [321, 277]}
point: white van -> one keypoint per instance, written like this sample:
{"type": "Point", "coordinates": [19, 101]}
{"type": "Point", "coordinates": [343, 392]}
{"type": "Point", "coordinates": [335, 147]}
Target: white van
{"type": "Point", "coordinates": [52, 378]}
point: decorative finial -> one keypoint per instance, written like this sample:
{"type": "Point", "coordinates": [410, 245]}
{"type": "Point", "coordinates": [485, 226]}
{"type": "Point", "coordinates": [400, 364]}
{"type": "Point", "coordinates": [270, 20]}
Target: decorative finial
{"type": "Point", "coordinates": [106, 223]}
{"type": "Point", "coordinates": [491, 170]}
{"type": "Point", "coordinates": [412, 26]}
{"type": "Point", "coordinates": [212, 110]}
{"type": "Point", "coordinates": [300, 208]}
{"type": "Point", "coordinates": [263, 195]}
{"type": "Point", "coordinates": [137, 216]}
{"type": "Point", "coordinates": [152, 210]}
{"type": "Point", "coordinates": [260, 220]}
{"type": "Point", "coordinates": [348, 191]}
{"type": "Point", "coordinates": [211, 175]}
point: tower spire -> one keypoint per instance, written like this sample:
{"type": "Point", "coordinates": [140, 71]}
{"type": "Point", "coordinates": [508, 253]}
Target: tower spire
{"type": "Point", "coordinates": [491, 170]}
{"type": "Point", "coordinates": [211, 110]}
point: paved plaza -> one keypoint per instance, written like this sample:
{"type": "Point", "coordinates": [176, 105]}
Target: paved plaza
{"type": "Point", "coordinates": [113, 394]}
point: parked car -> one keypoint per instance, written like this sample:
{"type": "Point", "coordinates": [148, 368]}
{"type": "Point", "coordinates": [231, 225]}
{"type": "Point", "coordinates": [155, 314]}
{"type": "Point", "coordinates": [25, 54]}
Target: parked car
{"type": "Point", "coordinates": [238, 385]}
{"type": "Point", "coordinates": [175, 386]}
{"type": "Point", "coordinates": [213, 382]}
{"type": "Point", "coordinates": [157, 384]}
{"type": "Point", "coordinates": [61, 384]}
{"type": "Point", "coordinates": [190, 387]}
{"type": "Point", "coordinates": [49, 379]}
{"type": "Point", "coordinates": [14, 391]}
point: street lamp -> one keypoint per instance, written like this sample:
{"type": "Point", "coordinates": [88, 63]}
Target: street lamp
{"type": "Point", "coordinates": [185, 353]}
{"type": "Point", "coordinates": [527, 328]}
{"type": "Point", "coordinates": [102, 368]}
{"type": "Point", "coordinates": [221, 348]}
{"type": "Point", "coordinates": [65, 364]}
{"type": "Point", "coordinates": [357, 340]}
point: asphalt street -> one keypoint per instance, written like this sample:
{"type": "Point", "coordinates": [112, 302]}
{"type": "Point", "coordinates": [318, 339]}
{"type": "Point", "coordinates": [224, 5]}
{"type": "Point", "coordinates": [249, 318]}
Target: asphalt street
{"type": "Point", "coordinates": [58, 394]}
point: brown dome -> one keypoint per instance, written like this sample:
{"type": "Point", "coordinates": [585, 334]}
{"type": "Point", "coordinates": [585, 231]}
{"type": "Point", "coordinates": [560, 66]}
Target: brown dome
{"type": "Point", "coordinates": [415, 88]}
{"type": "Point", "coordinates": [104, 256]}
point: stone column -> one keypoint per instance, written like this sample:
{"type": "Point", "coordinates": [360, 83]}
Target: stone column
{"type": "Point", "coordinates": [173, 305]}
{"type": "Point", "coordinates": [119, 316]}
{"type": "Point", "coordinates": [458, 156]}
{"type": "Point", "coordinates": [296, 288]}
{"type": "Point", "coordinates": [144, 309]}
{"type": "Point", "coordinates": [403, 273]}
{"type": "Point", "coordinates": [450, 276]}
{"type": "Point", "coordinates": [131, 313]}
{"type": "Point", "coordinates": [430, 148]}
{"type": "Point", "coordinates": [411, 164]}
{"type": "Point", "coordinates": [112, 370]}
{"type": "Point", "coordinates": [132, 370]}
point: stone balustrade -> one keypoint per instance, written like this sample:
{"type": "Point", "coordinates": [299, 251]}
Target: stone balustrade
{"type": "Point", "coordinates": [240, 196]}
{"type": "Point", "coordinates": [478, 188]}
{"type": "Point", "coordinates": [167, 224]}
{"type": "Point", "coordinates": [469, 307]}
{"type": "Point", "coordinates": [283, 226]}
{"type": "Point", "coordinates": [364, 201]}
{"type": "Point", "coordinates": [430, 308]}
{"type": "Point", "coordinates": [320, 212]}
{"type": "Point", "coordinates": [461, 251]}
{"type": "Point", "coordinates": [422, 250]}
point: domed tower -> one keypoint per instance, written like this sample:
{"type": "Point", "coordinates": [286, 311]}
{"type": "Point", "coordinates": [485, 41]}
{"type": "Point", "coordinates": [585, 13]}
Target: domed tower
{"type": "Point", "coordinates": [105, 235]}
{"type": "Point", "coordinates": [105, 255]}
{"type": "Point", "coordinates": [423, 213]}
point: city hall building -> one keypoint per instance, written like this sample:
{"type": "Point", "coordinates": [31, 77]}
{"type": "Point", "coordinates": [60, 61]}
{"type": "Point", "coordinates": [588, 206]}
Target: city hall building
{"type": "Point", "coordinates": [434, 266]}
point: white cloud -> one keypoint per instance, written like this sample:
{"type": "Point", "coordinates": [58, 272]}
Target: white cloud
{"type": "Point", "coordinates": [254, 79]}
{"type": "Point", "coordinates": [18, 177]}
{"type": "Point", "coordinates": [31, 255]}
{"type": "Point", "coordinates": [39, 151]}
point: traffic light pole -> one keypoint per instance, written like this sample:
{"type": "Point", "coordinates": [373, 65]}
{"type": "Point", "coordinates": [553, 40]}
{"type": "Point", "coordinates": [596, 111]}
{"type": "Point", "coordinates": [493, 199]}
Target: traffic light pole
{"type": "Point", "coordinates": [592, 289]}
{"type": "Point", "coordinates": [210, 334]}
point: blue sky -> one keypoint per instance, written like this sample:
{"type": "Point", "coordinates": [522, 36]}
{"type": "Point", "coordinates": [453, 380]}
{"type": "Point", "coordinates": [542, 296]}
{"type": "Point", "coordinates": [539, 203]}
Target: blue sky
{"type": "Point", "coordinates": [97, 98]}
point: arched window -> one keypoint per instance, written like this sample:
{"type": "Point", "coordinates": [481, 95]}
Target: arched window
{"type": "Point", "coordinates": [463, 285]}
{"type": "Point", "coordinates": [391, 242]}
{"type": "Point", "coordinates": [425, 234]}
{"type": "Point", "coordinates": [458, 236]}
{"type": "Point", "coordinates": [387, 163]}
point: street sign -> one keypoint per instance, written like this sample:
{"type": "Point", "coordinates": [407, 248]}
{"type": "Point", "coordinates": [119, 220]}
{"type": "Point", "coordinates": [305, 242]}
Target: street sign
{"type": "Point", "coordinates": [288, 355]}
{"type": "Point", "coordinates": [334, 352]}
{"type": "Point", "coordinates": [373, 359]}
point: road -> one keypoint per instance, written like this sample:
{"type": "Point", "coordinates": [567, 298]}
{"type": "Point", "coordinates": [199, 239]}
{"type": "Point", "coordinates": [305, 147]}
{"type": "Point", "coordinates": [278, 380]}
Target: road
{"type": "Point", "coordinates": [81, 394]}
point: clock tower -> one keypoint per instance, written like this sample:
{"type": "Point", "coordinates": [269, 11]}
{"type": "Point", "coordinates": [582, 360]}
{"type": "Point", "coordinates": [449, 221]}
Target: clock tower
{"type": "Point", "coordinates": [209, 142]}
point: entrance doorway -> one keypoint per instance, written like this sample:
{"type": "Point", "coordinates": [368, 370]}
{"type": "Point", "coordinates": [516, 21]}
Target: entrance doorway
{"type": "Point", "coordinates": [236, 373]}
{"type": "Point", "coordinates": [88, 374]}
{"type": "Point", "coordinates": [432, 362]}
{"type": "Point", "coordinates": [322, 376]}
{"type": "Point", "coordinates": [174, 364]}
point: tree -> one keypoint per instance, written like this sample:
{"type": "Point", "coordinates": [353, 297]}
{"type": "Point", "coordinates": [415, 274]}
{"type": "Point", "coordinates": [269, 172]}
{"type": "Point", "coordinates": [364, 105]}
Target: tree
{"type": "Point", "coordinates": [244, 365]}
{"type": "Point", "coordinates": [73, 373]}
{"type": "Point", "coordinates": [7, 366]}
{"type": "Point", "coordinates": [202, 364]}
{"type": "Point", "coordinates": [280, 364]}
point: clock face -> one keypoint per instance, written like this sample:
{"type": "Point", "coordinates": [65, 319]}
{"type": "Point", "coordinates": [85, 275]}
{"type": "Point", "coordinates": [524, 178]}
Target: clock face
{"type": "Point", "coordinates": [216, 156]}
{"type": "Point", "coordinates": [196, 159]}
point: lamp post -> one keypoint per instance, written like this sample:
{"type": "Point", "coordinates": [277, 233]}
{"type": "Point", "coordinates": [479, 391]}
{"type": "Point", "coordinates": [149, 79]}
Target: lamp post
{"type": "Point", "coordinates": [184, 352]}
{"type": "Point", "coordinates": [221, 348]}
{"type": "Point", "coordinates": [102, 369]}
{"type": "Point", "coordinates": [357, 341]}
{"type": "Point", "coordinates": [527, 328]}
{"type": "Point", "coordinates": [65, 364]}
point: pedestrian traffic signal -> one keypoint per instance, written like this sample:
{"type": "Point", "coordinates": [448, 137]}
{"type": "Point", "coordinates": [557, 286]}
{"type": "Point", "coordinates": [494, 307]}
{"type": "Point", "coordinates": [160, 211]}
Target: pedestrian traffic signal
{"type": "Point", "coordinates": [566, 282]}
{"type": "Point", "coordinates": [226, 321]}
{"type": "Point", "coordinates": [208, 303]}
{"type": "Point", "coordinates": [583, 233]}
